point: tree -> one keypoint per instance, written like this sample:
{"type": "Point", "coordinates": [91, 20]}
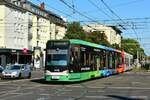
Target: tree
{"type": "Point", "coordinates": [97, 37]}
{"type": "Point", "coordinates": [132, 46]}
{"type": "Point", "coordinates": [75, 31]}
{"type": "Point", "coordinates": [116, 46]}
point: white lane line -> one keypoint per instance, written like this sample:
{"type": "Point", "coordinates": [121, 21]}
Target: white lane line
{"type": "Point", "coordinates": [97, 97]}
{"type": "Point", "coordinates": [138, 88]}
{"type": "Point", "coordinates": [45, 94]}
{"type": "Point", "coordinates": [74, 86]}
{"type": "Point", "coordinates": [105, 97]}
{"type": "Point", "coordinates": [92, 91]}
{"type": "Point", "coordinates": [109, 87]}
{"type": "Point", "coordinates": [140, 97]}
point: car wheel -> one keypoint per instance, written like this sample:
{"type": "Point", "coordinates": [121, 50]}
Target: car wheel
{"type": "Point", "coordinates": [29, 76]}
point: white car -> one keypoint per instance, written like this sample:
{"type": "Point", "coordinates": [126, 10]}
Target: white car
{"type": "Point", "coordinates": [17, 71]}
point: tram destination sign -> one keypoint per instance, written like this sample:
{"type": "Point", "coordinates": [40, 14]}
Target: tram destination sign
{"type": "Point", "coordinates": [57, 51]}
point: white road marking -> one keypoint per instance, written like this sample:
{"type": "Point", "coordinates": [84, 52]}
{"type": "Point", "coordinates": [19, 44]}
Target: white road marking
{"type": "Point", "coordinates": [140, 97]}
{"type": "Point", "coordinates": [92, 91]}
{"type": "Point", "coordinates": [97, 97]}
{"type": "Point", "coordinates": [110, 87]}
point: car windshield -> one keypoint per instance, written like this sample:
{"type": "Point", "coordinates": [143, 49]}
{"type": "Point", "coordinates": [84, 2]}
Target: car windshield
{"type": "Point", "coordinates": [14, 67]}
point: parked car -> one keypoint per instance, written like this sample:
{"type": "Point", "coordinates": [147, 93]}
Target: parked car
{"type": "Point", "coordinates": [17, 71]}
{"type": "Point", "coordinates": [1, 70]}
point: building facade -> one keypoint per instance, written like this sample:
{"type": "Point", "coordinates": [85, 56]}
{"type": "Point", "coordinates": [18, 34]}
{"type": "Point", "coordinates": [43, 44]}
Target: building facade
{"type": "Point", "coordinates": [112, 33]}
{"type": "Point", "coordinates": [25, 29]}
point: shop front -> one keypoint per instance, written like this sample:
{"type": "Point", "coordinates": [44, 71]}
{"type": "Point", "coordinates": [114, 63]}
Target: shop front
{"type": "Point", "coordinates": [12, 56]}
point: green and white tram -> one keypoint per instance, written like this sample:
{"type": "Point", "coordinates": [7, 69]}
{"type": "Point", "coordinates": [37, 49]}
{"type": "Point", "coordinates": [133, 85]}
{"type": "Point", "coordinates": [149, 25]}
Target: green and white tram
{"type": "Point", "coordinates": [76, 60]}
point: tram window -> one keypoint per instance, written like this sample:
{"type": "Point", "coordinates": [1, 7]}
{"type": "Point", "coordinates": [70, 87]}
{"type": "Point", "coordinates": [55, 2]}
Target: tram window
{"type": "Point", "coordinates": [101, 62]}
{"type": "Point", "coordinates": [127, 61]}
{"type": "Point", "coordinates": [119, 60]}
{"type": "Point", "coordinates": [110, 60]}
{"type": "Point", "coordinates": [98, 62]}
{"type": "Point", "coordinates": [106, 60]}
{"type": "Point", "coordinates": [87, 59]}
{"type": "Point", "coordinates": [92, 60]}
{"type": "Point", "coordinates": [103, 56]}
{"type": "Point", "coordinates": [74, 58]}
{"type": "Point", "coordinates": [84, 58]}
{"type": "Point", "coordinates": [113, 60]}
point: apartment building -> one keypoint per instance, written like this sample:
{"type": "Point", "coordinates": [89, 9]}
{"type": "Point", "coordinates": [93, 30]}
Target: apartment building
{"type": "Point", "coordinates": [112, 33]}
{"type": "Point", "coordinates": [24, 31]}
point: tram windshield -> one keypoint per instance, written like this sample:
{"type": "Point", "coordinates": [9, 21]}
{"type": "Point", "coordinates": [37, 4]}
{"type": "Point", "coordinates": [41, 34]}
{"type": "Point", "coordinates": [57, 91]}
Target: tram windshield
{"type": "Point", "coordinates": [57, 59]}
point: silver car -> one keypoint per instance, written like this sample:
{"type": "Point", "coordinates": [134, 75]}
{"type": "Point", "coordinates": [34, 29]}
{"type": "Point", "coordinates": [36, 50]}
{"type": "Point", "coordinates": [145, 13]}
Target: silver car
{"type": "Point", "coordinates": [1, 70]}
{"type": "Point", "coordinates": [17, 71]}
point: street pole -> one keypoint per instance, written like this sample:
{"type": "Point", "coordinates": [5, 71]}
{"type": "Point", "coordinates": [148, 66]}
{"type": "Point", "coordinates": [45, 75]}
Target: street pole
{"type": "Point", "coordinates": [50, 31]}
{"type": "Point", "coordinates": [137, 63]}
{"type": "Point", "coordinates": [18, 57]}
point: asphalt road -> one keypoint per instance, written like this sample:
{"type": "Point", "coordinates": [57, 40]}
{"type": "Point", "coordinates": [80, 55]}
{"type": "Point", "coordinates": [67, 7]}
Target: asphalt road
{"type": "Point", "coordinates": [127, 86]}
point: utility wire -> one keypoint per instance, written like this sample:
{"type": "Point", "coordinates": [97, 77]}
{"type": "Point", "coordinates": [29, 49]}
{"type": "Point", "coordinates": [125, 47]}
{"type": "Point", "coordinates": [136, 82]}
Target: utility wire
{"type": "Point", "coordinates": [104, 12]}
{"type": "Point", "coordinates": [132, 27]}
{"type": "Point", "coordinates": [127, 3]}
{"type": "Point", "coordinates": [77, 11]}
{"type": "Point", "coordinates": [112, 11]}
{"type": "Point", "coordinates": [73, 6]}
{"type": "Point", "coordinates": [49, 6]}
{"type": "Point", "coordinates": [100, 9]}
{"type": "Point", "coordinates": [119, 17]}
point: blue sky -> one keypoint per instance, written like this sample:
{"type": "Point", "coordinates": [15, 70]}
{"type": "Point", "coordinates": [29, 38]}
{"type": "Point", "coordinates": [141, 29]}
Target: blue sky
{"type": "Point", "coordinates": [136, 11]}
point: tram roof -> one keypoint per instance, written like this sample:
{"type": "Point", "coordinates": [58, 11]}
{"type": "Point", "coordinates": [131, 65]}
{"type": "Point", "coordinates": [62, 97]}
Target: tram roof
{"type": "Point", "coordinates": [76, 41]}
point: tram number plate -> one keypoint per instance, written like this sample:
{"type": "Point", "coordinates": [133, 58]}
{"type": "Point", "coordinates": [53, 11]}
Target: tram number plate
{"type": "Point", "coordinates": [55, 77]}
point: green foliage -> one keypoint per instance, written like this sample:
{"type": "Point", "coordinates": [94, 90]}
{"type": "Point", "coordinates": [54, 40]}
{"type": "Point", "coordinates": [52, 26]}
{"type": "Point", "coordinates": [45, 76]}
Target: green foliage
{"type": "Point", "coordinates": [132, 46]}
{"type": "Point", "coordinates": [75, 31]}
{"type": "Point", "coordinates": [116, 46]}
{"type": "Point", "coordinates": [97, 37]}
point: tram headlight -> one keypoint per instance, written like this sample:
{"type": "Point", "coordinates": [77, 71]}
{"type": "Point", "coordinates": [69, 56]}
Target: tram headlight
{"type": "Point", "coordinates": [65, 72]}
